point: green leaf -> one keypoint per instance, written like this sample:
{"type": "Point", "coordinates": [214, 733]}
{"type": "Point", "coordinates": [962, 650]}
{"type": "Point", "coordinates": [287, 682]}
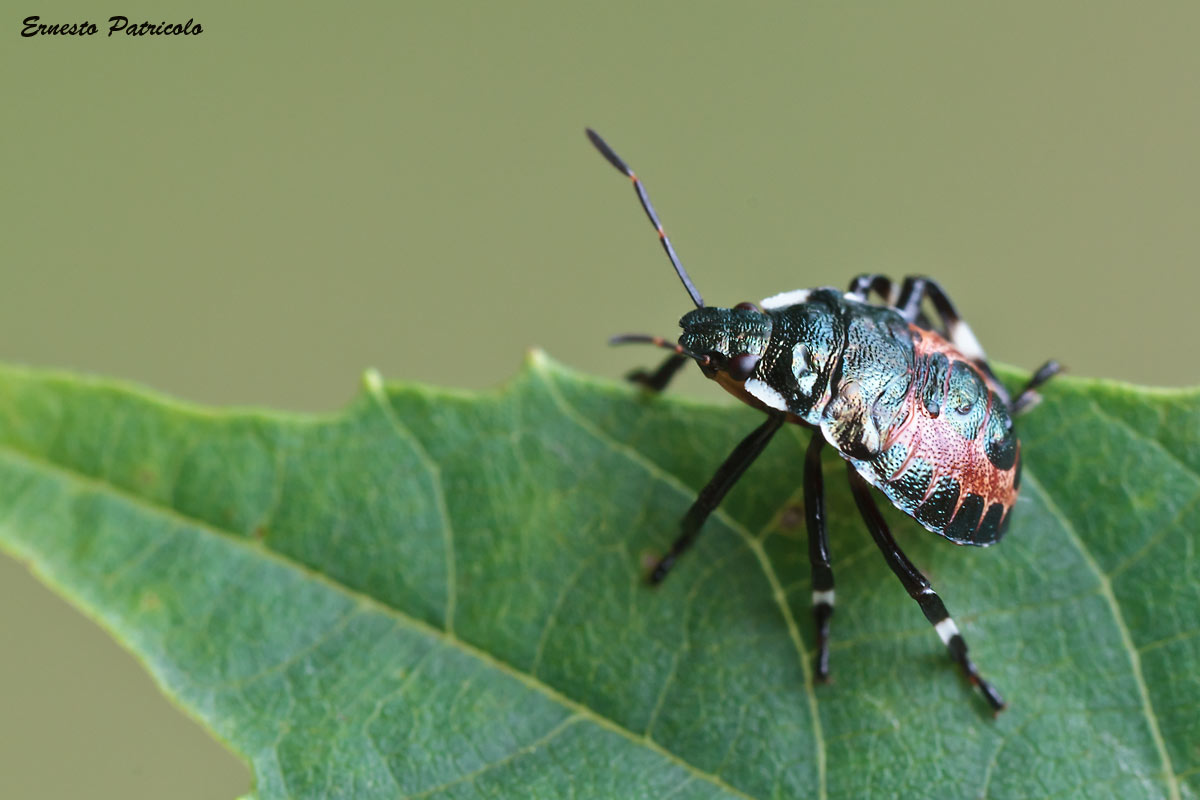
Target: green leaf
{"type": "Point", "coordinates": [440, 594]}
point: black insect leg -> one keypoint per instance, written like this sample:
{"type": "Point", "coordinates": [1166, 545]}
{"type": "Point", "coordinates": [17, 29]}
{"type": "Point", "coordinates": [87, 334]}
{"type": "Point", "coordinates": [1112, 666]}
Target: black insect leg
{"type": "Point", "coordinates": [657, 381]}
{"type": "Point", "coordinates": [911, 296]}
{"type": "Point", "coordinates": [1028, 398]}
{"type": "Point", "coordinates": [711, 495]}
{"type": "Point", "coordinates": [914, 291]}
{"type": "Point", "coordinates": [918, 588]}
{"type": "Point", "coordinates": [958, 332]}
{"type": "Point", "coordinates": [818, 552]}
{"type": "Point", "coordinates": [862, 286]}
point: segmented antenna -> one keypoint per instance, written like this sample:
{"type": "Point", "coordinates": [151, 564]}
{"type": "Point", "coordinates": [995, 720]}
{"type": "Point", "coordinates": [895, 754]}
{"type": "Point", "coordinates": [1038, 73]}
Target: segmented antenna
{"type": "Point", "coordinates": [624, 169]}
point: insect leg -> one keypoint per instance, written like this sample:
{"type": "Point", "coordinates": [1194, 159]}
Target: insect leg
{"type": "Point", "coordinates": [1028, 398]}
{"type": "Point", "coordinates": [711, 495]}
{"type": "Point", "coordinates": [913, 293]}
{"type": "Point", "coordinates": [818, 552]}
{"type": "Point", "coordinates": [918, 588]}
{"type": "Point", "coordinates": [657, 381]}
{"type": "Point", "coordinates": [862, 285]}
{"type": "Point", "coordinates": [957, 331]}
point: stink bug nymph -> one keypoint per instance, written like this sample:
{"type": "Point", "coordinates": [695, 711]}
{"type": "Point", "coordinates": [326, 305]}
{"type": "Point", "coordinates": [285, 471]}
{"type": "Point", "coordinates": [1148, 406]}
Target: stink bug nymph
{"type": "Point", "coordinates": [906, 397]}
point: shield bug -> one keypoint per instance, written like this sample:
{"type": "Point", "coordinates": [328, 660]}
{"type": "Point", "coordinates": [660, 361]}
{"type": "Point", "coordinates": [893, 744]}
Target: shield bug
{"type": "Point", "coordinates": [905, 396]}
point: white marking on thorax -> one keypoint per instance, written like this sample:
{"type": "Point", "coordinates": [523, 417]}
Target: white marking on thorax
{"type": "Point", "coordinates": [823, 596]}
{"type": "Point", "coordinates": [962, 338]}
{"type": "Point", "coordinates": [785, 299]}
{"type": "Point", "coordinates": [769, 396]}
{"type": "Point", "coordinates": [947, 630]}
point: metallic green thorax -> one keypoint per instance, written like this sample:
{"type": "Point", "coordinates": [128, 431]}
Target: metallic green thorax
{"type": "Point", "coordinates": [839, 364]}
{"type": "Point", "coordinates": [799, 346]}
{"type": "Point", "coordinates": [907, 410]}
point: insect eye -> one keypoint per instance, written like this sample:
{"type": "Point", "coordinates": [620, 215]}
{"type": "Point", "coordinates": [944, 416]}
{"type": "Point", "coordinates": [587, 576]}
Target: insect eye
{"type": "Point", "coordinates": [748, 307]}
{"type": "Point", "coordinates": [742, 367]}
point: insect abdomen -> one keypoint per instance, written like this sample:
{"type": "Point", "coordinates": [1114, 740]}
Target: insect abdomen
{"type": "Point", "coordinates": [951, 460]}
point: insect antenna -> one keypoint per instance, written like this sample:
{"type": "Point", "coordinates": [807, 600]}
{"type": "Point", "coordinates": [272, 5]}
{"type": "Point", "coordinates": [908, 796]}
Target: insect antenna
{"type": "Point", "coordinates": [624, 169]}
{"type": "Point", "coordinates": [658, 341]}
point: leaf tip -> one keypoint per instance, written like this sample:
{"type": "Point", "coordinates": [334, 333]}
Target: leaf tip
{"type": "Point", "coordinates": [372, 381]}
{"type": "Point", "coordinates": [536, 359]}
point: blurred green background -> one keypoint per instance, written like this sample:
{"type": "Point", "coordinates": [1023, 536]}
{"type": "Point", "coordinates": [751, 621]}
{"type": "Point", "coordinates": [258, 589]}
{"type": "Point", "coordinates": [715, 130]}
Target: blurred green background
{"type": "Point", "coordinates": [255, 214]}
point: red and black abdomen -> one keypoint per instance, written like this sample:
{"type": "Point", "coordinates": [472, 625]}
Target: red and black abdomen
{"type": "Point", "coordinates": [951, 459]}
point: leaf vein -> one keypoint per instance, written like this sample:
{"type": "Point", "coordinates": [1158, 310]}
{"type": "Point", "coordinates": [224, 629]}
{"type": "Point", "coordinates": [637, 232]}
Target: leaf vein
{"type": "Point", "coordinates": [1148, 440]}
{"type": "Point", "coordinates": [1163, 532]}
{"type": "Point", "coordinates": [1106, 591]}
{"type": "Point", "coordinates": [374, 386]}
{"type": "Point", "coordinates": [751, 541]}
{"type": "Point", "coordinates": [446, 638]}
{"type": "Point", "coordinates": [320, 641]}
{"type": "Point", "coordinates": [549, 736]}
{"type": "Point", "coordinates": [687, 610]}
{"type": "Point", "coordinates": [559, 600]}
